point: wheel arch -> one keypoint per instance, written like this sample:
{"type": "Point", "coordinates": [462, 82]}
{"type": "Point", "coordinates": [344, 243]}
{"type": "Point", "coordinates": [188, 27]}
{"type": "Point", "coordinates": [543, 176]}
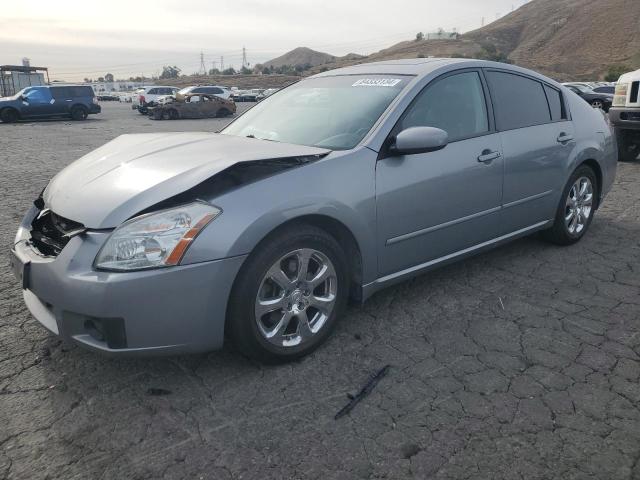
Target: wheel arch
{"type": "Point", "coordinates": [597, 169]}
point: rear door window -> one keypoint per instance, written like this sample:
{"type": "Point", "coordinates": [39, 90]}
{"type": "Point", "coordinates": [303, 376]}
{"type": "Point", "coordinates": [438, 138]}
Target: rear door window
{"type": "Point", "coordinates": [518, 101]}
{"type": "Point", "coordinates": [455, 104]}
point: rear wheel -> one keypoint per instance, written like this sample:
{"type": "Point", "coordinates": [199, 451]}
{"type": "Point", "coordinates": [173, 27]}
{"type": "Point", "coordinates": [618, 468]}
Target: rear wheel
{"type": "Point", "coordinates": [173, 114]}
{"type": "Point", "coordinates": [79, 113]}
{"type": "Point", "coordinates": [288, 295]}
{"type": "Point", "coordinates": [597, 103]}
{"type": "Point", "coordinates": [223, 112]}
{"type": "Point", "coordinates": [9, 115]}
{"type": "Point", "coordinates": [576, 209]}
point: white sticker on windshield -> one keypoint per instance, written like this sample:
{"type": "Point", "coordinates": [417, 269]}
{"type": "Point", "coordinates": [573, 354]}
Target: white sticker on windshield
{"type": "Point", "coordinates": [377, 82]}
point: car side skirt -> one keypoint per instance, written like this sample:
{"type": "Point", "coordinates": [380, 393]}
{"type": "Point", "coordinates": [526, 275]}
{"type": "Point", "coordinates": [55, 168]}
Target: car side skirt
{"type": "Point", "coordinates": [397, 277]}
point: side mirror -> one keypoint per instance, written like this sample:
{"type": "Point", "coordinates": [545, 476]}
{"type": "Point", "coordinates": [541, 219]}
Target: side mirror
{"type": "Point", "coordinates": [419, 140]}
{"type": "Point", "coordinates": [23, 98]}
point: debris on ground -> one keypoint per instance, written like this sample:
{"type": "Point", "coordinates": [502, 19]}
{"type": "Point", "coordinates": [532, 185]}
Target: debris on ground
{"type": "Point", "coordinates": [366, 390]}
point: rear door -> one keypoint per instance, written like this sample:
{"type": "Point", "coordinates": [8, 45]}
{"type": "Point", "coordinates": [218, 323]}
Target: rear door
{"type": "Point", "coordinates": [431, 205]}
{"type": "Point", "coordinates": [64, 100]}
{"type": "Point", "coordinates": [537, 138]}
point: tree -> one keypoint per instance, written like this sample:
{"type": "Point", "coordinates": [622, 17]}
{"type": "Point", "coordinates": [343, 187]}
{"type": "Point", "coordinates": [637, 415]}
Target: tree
{"type": "Point", "coordinates": [101, 79]}
{"type": "Point", "coordinates": [214, 71]}
{"type": "Point", "coordinates": [108, 78]}
{"type": "Point", "coordinates": [246, 71]}
{"type": "Point", "coordinates": [87, 80]}
{"type": "Point", "coordinates": [491, 52]}
{"type": "Point", "coordinates": [170, 72]}
{"type": "Point", "coordinates": [615, 72]}
{"type": "Point", "coordinates": [229, 71]}
{"type": "Point", "coordinates": [419, 36]}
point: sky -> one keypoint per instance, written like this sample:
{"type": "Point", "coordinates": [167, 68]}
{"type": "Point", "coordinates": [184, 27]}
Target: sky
{"type": "Point", "coordinates": [80, 38]}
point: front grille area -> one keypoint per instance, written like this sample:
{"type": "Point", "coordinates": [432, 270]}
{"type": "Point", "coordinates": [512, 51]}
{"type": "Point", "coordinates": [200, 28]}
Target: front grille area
{"type": "Point", "coordinates": [635, 90]}
{"type": "Point", "coordinates": [50, 232]}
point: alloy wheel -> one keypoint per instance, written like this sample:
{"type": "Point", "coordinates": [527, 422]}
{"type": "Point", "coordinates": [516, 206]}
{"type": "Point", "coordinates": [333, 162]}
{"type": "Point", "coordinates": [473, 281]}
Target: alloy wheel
{"type": "Point", "coordinates": [296, 297]}
{"type": "Point", "coordinates": [579, 206]}
{"type": "Point", "coordinates": [597, 104]}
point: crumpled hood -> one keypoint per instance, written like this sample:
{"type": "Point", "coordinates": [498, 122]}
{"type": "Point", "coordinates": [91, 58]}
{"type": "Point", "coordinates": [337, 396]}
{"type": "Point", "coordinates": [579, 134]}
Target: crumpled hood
{"type": "Point", "coordinates": [133, 172]}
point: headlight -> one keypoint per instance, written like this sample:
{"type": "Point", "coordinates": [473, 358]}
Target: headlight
{"type": "Point", "coordinates": [154, 240]}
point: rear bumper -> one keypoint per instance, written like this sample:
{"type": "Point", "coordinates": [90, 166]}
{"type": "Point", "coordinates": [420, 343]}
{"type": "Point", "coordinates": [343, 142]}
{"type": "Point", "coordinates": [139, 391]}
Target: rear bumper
{"type": "Point", "coordinates": [95, 108]}
{"type": "Point", "coordinates": [625, 118]}
{"type": "Point", "coordinates": [163, 311]}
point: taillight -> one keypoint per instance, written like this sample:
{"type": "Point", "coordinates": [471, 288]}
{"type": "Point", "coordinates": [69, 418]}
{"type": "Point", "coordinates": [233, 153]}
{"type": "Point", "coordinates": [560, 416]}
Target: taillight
{"type": "Point", "coordinates": [95, 100]}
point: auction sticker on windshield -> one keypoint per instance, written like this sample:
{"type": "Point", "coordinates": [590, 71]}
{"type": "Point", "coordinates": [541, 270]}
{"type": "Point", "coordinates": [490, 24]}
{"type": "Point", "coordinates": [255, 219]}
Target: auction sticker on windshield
{"type": "Point", "coordinates": [377, 82]}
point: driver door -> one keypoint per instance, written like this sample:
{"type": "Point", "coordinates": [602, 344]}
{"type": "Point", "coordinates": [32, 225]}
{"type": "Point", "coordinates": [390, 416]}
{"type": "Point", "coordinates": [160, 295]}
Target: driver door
{"type": "Point", "coordinates": [432, 205]}
{"type": "Point", "coordinates": [38, 102]}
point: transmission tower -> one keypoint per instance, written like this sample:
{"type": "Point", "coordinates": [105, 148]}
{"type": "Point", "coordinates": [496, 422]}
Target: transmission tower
{"type": "Point", "coordinates": [203, 68]}
{"type": "Point", "coordinates": [221, 63]}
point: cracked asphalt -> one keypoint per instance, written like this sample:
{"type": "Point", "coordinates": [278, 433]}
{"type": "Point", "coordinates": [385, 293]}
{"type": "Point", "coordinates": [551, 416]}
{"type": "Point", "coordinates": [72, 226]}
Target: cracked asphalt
{"type": "Point", "coordinates": [522, 363]}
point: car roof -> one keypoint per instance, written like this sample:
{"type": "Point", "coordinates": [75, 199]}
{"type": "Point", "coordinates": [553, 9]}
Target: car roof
{"type": "Point", "coordinates": [421, 67]}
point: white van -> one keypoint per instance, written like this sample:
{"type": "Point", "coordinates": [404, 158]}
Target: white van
{"type": "Point", "coordinates": [625, 116]}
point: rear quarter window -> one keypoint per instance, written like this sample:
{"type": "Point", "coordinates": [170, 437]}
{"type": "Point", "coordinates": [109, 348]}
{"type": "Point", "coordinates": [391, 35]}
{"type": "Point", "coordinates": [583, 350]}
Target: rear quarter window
{"type": "Point", "coordinates": [555, 104]}
{"type": "Point", "coordinates": [518, 101]}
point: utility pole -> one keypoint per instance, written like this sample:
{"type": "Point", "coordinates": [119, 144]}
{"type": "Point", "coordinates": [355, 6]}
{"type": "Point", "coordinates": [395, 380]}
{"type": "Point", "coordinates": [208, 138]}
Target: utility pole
{"type": "Point", "coordinates": [203, 68]}
{"type": "Point", "coordinates": [483, 21]}
{"type": "Point", "coordinates": [221, 63]}
{"type": "Point", "coordinates": [244, 57]}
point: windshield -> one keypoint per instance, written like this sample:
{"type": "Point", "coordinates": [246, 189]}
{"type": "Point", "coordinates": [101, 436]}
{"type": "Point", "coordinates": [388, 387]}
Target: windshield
{"type": "Point", "coordinates": [330, 112]}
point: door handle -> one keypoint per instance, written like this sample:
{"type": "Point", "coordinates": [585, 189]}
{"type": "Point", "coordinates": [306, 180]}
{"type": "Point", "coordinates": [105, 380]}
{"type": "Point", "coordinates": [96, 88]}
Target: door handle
{"type": "Point", "coordinates": [70, 100]}
{"type": "Point", "coordinates": [488, 156]}
{"type": "Point", "coordinates": [564, 138]}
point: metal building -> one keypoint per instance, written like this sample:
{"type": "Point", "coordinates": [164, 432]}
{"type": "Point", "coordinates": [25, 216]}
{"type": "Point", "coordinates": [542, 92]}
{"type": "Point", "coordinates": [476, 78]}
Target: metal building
{"type": "Point", "coordinates": [14, 78]}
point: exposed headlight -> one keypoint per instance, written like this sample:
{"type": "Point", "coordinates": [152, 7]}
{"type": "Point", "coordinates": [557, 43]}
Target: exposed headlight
{"type": "Point", "coordinates": [154, 240]}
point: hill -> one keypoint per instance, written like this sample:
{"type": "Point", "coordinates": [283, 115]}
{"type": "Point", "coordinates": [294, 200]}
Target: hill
{"type": "Point", "coordinates": [300, 56]}
{"type": "Point", "coordinates": [565, 39]}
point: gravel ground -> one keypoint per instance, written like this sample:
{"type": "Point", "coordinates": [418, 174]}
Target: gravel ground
{"type": "Point", "coordinates": [522, 363]}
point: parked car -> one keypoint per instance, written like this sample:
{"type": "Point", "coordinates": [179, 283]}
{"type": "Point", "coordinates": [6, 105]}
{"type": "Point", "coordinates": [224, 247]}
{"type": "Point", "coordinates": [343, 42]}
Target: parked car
{"type": "Point", "coordinates": [602, 101]}
{"type": "Point", "coordinates": [47, 101]}
{"type": "Point", "coordinates": [192, 105]}
{"type": "Point", "coordinates": [625, 115]}
{"type": "Point", "coordinates": [108, 97]}
{"type": "Point", "coordinates": [221, 92]}
{"type": "Point", "coordinates": [608, 89]}
{"type": "Point", "coordinates": [166, 242]}
{"type": "Point", "coordinates": [148, 96]}
{"type": "Point", "coordinates": [246, 95]}
{"type": "Point", "coordinates": [266, 93]}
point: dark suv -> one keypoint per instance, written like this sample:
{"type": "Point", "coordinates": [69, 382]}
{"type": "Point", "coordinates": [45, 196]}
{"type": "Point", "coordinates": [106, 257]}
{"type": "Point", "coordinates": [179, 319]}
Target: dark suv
{"type": "Point", "coordinates": [75, 101]}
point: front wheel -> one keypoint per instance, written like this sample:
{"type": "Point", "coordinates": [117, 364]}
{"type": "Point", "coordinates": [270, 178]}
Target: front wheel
{"type": "Point", "coordinates": [9, 115]}
{"type": "Point", "coordinates": [576, 209]}
{"type": "Point", "coordinates": [288, 295]}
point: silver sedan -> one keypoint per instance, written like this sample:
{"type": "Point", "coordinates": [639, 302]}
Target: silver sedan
{"type": "Point", "coordinates": [330, 189]}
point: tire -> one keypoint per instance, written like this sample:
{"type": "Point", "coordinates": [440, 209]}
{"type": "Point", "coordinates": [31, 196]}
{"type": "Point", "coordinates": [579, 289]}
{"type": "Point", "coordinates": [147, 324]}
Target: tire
{"type": "Point", "coordinates": [562, 232]}
{"type": "Point", "coordinates": [173, 114]}
{"type": "Point", "coordinates": [249, 330]}
{"type": "Point", "coordinates": [157, 115]}
{"type": "Point", "coordinates": [628, 150]}
{"type": "Point", "coordinates": [79, 113]}
{"type": "Point", "coordinates": [597, 103]}
{"type": "Point", "coordinates": [223, 112]}
{"type": "Point", "coordinates": [166, 115]}
{"type": "Point", "coordinates": [9, 115]}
